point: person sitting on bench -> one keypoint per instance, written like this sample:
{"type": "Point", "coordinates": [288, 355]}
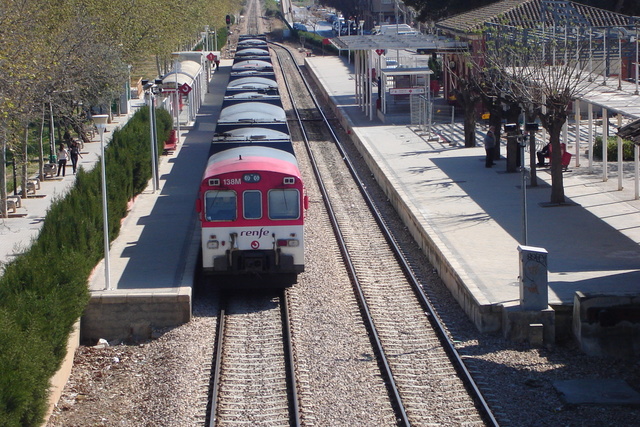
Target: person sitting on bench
{"type": "Point", "coordinates": [545, 153]}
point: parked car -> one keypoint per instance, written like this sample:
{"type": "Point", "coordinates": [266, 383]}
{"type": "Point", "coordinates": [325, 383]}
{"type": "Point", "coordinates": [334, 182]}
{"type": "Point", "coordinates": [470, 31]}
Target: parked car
{"type": "Point", "coordinates": [299, 27]}
{"type": "Point", "coordinates": [392, 63]}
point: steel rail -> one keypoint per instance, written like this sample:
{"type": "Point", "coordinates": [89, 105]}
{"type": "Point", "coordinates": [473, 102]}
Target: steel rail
{"type": "Point", "coordinates": [215, 380]}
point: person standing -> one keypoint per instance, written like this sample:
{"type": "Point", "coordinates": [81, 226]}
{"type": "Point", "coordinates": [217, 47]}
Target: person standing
{"type": "Point", "coordinates": [74, 152]}
{"type": "Point", "coordinates": [490, 146]}
{"type": "Point", "coordinates": [63, 155]}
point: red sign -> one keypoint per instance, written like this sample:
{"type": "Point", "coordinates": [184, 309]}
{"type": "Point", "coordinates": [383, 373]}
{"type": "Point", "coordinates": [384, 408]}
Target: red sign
{"type": "Point", "coordinates": [184, 89]}
{"type": "Point", "coordinates": [325, 41]}
{"type": "Point", "coordinates": [380, 51]}
{"type": "Point", "coordinates": [211, 57]}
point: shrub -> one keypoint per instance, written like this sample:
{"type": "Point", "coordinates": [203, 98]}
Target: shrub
{"type": "Point", "coordinates": [612, 148]}
{"type": "Point", "coordinates": [44, 291]}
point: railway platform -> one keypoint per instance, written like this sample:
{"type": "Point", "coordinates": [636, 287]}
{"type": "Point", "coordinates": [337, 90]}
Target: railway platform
{"type": "Point", "coordinates": [153, 260]}
{"type": "Point", "coordinates": [468, 219]}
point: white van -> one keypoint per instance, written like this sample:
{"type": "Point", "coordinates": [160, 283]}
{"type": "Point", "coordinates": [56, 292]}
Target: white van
{"type": "Point", "coordinates": [399, 29]}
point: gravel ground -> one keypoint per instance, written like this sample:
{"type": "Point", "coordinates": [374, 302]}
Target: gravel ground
{"type": "Point", "coordinates": [156, 383]}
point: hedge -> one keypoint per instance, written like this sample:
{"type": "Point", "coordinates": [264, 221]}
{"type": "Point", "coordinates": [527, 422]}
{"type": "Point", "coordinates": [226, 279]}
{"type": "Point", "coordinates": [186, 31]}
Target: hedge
{"type": "Point", "coordinates": [44, 291]}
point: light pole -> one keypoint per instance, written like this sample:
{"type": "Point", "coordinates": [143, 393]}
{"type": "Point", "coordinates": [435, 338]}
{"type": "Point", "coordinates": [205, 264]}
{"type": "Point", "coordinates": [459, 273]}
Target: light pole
{"type": "Point", "coordinates": [177, 98]}
{"type": "Point", "coordinates": [100, 120]}
{"type": "Point", "coordinates": [153, 136]}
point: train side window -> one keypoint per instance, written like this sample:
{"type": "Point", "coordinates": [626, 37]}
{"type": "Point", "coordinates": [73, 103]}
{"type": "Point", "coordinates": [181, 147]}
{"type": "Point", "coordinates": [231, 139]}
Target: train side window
{"type": "Point", "coordinates": [252, 204]}
{"type": "Point", "coordinates": [284, 204]}
{"type": "Point", "coordinates": [220, 205]}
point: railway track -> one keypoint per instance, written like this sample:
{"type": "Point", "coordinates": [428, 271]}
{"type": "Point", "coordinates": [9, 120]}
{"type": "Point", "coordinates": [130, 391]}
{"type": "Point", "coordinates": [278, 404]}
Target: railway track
{"type": "Point", "coordinates": [253, 380]}
{"type": "Point", "coordinates": [427, 380]}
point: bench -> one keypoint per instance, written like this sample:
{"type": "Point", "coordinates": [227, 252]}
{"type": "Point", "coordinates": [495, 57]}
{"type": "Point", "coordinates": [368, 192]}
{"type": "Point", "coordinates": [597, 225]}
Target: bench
{"type": "Point", "coordinates": [11, 205]}
{"type": "Point", "coordinates": [566, 156]}
{"type": "Point", "coordinates": [33, 184]}
{"type": "Point", "coordinates": [49, 169]}
{"type": "Point", "coordinates": [171, 143]}
{"type": "Point", "coordinates": [15, 200]}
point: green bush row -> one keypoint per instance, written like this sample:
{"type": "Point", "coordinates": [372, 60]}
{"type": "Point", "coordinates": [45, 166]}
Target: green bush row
{"type": "Point", "coordinates": [44, 291]}
{"type": "Point", "coordinates": [612, 149]}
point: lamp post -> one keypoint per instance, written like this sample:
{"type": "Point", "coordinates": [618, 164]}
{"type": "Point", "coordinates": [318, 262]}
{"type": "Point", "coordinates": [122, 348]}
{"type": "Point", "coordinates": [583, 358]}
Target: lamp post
{"type": "Point", "coordinates": [100, 120]}
{"type": "Point", "coordinates": [153, 137]}
{"type": "Point", "coordinates": [177, 99]}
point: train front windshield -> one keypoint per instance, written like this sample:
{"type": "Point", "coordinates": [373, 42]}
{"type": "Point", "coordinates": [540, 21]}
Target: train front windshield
{"type": "Point", "coordinates": [220, 205]}
{"type": "Point", "coordinates": [283, 204]}
{"type": "Point", "coordinates": [252, 203]}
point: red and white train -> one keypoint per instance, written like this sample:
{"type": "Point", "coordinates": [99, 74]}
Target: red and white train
{"type": "Point", "coordinates": [252, 200]}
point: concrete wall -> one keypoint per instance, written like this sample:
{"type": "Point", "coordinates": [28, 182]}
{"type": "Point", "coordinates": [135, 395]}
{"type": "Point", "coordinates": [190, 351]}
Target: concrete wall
{"type": "Point", "coordinates": [59, 380]}
{"type": "Point", "coordinates": [607, 325]}
{"type": "Point", "coordinates": [124, 315]}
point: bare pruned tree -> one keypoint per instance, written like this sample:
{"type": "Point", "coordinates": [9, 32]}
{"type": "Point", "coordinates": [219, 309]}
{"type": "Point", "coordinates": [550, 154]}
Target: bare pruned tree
{"type": "Point", "coordinates": [543, 74]}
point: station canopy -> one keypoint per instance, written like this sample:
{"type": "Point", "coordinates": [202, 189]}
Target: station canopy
{"type": "Point", "coordinates": [426, 42]}
{"type": "Point", "coordinates": [187, 73]}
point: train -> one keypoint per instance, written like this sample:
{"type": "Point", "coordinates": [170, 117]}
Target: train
{"type": "Point", "coordinates": [252, 200]}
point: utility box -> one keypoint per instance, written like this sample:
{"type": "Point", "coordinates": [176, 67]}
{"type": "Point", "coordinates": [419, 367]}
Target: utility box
{"type": "Point", "coordinates": [513, 153]}
{"type": "Point", "coordinates": [534, 281]}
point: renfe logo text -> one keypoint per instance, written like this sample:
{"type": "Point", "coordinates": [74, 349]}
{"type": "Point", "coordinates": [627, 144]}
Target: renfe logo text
{"type": "Point", "coordinates": [255, 233]}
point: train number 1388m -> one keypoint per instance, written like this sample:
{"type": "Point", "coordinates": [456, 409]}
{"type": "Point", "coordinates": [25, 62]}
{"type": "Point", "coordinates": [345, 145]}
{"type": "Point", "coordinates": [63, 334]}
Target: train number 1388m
{"type": "Point", "coordinates": [231, 181]}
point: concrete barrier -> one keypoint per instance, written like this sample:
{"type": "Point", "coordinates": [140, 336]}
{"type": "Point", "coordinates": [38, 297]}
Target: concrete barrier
{"type": "Point", "coordinates": [607, 325]}
{"type": "Point", "coordinates": [132, 315]}
{"type": "Point", "coordinates": [59, 380]}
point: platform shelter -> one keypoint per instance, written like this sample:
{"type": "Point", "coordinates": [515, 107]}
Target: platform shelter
{"type": "Point", "coordinates": [400, 83]}
{"type": "Point", "coordinates": [190, 78]}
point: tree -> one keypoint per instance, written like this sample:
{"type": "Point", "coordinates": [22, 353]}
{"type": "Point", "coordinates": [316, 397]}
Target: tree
{"type": "Point", "coordinates": [64, 54]}
{"type": "Point", "coordinates": [544, 76]}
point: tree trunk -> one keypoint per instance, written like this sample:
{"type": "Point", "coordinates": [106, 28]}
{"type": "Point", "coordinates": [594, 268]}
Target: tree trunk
{"type": "Point", "coordinates": [498, 132]}
{"type": "Point", "coordinates": [25, 163]}
{"type": "Point", "coordinates": [533, 159]}
{"type": "Point", "coordinates": [557, 184]}
{"type": "Point", "coordinates": [3, 174]}
{"type": "Point", "coordinates": [41, 154]}
{"type": "Point", "coordinates": [469, 126]}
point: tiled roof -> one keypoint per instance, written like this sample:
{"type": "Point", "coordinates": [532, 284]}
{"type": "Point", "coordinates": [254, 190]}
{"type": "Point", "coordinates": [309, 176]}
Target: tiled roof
{"type": "Point", "coordinates": [526, 14]}
{"type": "Point", "coordinates": [631, 132]}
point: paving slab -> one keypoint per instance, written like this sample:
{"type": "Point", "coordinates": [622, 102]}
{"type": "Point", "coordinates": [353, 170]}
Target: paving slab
{"type": "Point", "coordinates": [597, 392]}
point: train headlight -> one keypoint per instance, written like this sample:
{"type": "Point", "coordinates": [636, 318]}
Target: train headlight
{"type": "Point", "coordinates": [212, 244]}
{"type": "Point", "coordinates": [291, 243]}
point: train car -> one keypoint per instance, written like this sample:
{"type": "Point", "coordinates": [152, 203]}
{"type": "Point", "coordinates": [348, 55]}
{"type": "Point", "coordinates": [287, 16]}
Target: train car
{"type": "Point", "coordinates": [251, 207]}
{"type": "Point", "coordinates": [251, 200]}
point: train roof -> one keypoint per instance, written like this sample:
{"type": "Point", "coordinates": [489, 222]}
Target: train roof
{"type": "Point", "coordinates": [251, 43]}
{"type": "Point", "coordinates": [269, 74]}
{"type": "Point", "coordinates": [251, 158]}
{"type": "Point", "coordinates": [251, 96]}
{"type": "Point", "coordinates": [252, 51]}
{"type": "Point", "coordinates": [237, 97]}
{"type": "Point", "coordinates": [227, 127]}
{"type": "Point", "coordinates": [252, 64]}
{"type": "Point", "coordinates": [261, 37]}
{"type": "Point", "coordinates": [252, 83]}
{"type": "Point", "coordinates": [252, 134]}
{"type": "Point", "coordinates": [252, 112]}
